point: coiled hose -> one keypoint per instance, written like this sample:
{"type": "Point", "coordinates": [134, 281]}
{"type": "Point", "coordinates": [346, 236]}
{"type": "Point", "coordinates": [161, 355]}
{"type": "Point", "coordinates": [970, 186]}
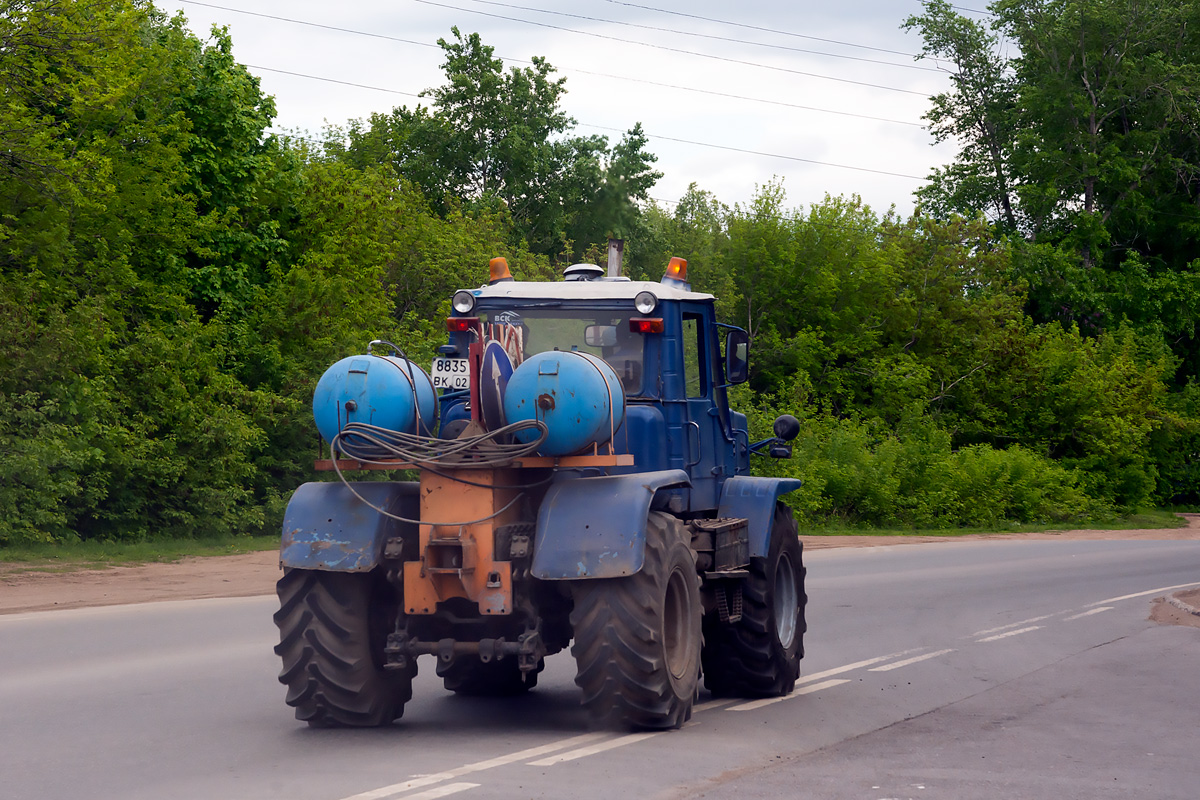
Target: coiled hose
{"type": "Point", "coordinates": [370, 444]}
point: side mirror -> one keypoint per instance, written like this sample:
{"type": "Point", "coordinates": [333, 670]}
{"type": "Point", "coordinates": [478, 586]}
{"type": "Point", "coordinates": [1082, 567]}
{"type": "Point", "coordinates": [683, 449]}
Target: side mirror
{"type": "Point", "coordinates": [787, 428]}
{"type": "Point", "coordinates": [737, 358]}
{"type": "Point", "coordinates": [600, 335]}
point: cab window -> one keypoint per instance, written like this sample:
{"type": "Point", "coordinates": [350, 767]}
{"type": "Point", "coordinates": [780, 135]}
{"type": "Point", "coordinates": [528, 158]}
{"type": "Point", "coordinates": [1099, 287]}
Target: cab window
{"type": "Point", "coordinates": [602, 333]}
{"type": "Point", "coordinates": [693, 357]}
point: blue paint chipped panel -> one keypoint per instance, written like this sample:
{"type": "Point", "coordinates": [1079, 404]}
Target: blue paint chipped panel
{"type": "Point", "coordinates": [596, 527]}
{"type": "Point", "coordinates": [326, 527]}
{"type": "Point", "coordinates": [753, 499]}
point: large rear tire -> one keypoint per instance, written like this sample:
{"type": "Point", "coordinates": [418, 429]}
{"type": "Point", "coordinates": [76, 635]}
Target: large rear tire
{"type": "Point", "coordinates": [759, 655]}
{"type": "Point", "coordinates": [637, 639]}
{"type": "Point", "coordinates": [333, 627]}
{"type": "Point", "coordinates": [471, 677]}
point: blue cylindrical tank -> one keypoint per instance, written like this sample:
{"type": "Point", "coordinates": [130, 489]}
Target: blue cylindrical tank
{"type": "Point", "coordinates": [577, 395]}
{"type": "Point", "coordinates": [385, 391]}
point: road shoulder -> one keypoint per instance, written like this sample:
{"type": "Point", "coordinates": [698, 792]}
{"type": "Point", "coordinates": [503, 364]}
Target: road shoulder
{"type": "Point", "coordinates": [253, 574]}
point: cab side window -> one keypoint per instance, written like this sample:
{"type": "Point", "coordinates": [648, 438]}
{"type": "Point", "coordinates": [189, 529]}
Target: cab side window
{"type": "Point", "coordinates": [693, 357]}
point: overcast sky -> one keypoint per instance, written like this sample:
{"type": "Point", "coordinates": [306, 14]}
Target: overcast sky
{"type": "Point", "coordinates": [709, 95]}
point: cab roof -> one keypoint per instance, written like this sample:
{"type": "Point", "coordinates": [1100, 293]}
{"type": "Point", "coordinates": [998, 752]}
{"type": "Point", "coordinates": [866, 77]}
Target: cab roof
{"type": "Point", "coordinates": [598, 289]}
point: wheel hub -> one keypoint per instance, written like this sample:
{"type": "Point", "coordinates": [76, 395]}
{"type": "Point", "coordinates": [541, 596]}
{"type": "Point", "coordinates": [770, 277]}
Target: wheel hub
{"type": "Point", "coordinates": [786, 601]}
{"type": "Point", "coordinates": [676, 632]}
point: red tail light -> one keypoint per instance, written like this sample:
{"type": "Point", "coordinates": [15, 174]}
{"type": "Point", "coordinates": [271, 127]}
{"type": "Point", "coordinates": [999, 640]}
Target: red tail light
{"type": "Point", "coordinates": [650, 325]}
{"type": "Point", "coordinates": [461, 324]}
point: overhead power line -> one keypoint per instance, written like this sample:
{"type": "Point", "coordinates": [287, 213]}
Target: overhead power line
{"type": "Point", "coordinates": [704, 35]}
{"type": "Point", "coordinates": [665, 48]}
{"type": "Point", "coordinates": [307, 23]}
{"type": "Point", "coordinates": [761, 153]}
{"type": "Point", "coordinates": [286, 135]}
{"type": "Point", "coordinates": [610, 76]}
{"type": "Point", "coordinates": [754, 99]}
{"type": "Point", "coordinates": [333, 80]}
{"type": "Point", "coordinates": [766, 30]}
{"type": "Point", "coordinates": [620, 130]}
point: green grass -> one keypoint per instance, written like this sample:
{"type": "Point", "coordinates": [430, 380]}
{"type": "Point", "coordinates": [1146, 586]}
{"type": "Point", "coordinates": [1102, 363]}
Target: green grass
{"type": "Point", "coordinates": [101, 555]}
{"type": "Point", "coordinates": [1157, 518]}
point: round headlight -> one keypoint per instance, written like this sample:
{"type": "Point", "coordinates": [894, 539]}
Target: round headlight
{"type": "Point", "coordinates": [645, 302]}
{"type": "Point", "coordinates": [463, 302]}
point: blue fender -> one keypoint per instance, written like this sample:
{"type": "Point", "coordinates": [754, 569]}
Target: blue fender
{"type": "Point", "coordinates": [596, 527]}
{"type": "Point", "coordinates": [326, 527]}
{"type": "Point", "coordinates": [754, 499]}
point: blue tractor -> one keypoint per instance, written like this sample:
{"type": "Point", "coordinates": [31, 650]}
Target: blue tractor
{"type": "Point", "coordinates": [582, 483]}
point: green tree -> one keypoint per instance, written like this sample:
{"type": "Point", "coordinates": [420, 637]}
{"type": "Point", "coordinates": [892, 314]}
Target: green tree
{"type": "Point", "coordinates": [1079, 139]}
{"type": "Point", "coordinates": [494, 140]}
{"type": "Point", "coordinates": [1084, 139]}
{"type": "Point", "coordinates": [1085, 133]}
{"type": "Point", "coordinates": [109, 379]}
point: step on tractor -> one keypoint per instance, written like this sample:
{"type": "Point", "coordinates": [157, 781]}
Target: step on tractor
{"type": "Point", "coordinates": [581, 482]}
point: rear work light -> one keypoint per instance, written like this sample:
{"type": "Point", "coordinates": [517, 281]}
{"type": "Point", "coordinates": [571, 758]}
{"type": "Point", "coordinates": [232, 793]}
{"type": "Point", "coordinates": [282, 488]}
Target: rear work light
{"type": "Point", "coordinates": [461, 324]}
{"type": "Point", "coordinates": [652, 325]}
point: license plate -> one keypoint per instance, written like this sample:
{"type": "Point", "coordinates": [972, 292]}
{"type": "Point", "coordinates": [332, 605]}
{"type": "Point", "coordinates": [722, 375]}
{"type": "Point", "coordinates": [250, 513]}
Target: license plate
{"type": "Point", "coordinates": [451, 373]}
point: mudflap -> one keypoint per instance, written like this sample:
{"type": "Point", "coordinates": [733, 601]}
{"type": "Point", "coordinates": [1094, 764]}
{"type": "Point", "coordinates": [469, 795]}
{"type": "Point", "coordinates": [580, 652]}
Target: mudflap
{"type": "Point", "coordinates": [326, 527]}
{"type": "Point", "coordinates": [596, 527]}
{"type": "Point", "coordinates": [753, 499]}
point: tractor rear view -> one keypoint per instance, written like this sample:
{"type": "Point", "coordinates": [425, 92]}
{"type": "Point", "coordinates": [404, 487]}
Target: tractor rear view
{"type": "Point", "coordinates": [582, 484]}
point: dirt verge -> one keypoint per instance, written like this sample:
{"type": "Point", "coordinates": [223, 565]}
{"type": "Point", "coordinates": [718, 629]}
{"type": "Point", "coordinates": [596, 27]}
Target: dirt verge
{"type": "Point", "coordinates": [1182, 612]}
{"type": "Point", "coordinates": [256, 573]}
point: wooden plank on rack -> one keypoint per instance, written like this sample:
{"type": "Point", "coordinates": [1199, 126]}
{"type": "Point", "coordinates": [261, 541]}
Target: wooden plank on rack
{"type": "Point", "coordinates": [608, 460]}
{"type": "Point", "coordinates": [531, 462]}
{"type": "Point", "coordinates": [326, 465]}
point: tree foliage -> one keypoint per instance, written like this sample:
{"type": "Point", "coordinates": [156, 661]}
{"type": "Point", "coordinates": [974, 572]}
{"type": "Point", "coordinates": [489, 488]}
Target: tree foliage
{"type": "Point", "coordinates": [174, 279]}
{"type": "Point", "coordinates": [1079, 141]}
{"type": "Point", "coordinates": [1084, 142]}
{"type": "Point", "coordinates": [493, 140]}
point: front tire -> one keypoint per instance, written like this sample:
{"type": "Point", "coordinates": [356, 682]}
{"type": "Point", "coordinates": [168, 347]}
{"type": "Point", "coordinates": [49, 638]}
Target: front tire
{"type": "Point", "coordinates": [759, 655]}
{"type": "Point", "coordinates": [333, 627]}
{"type": "Point", "coordinates": [637, 639]}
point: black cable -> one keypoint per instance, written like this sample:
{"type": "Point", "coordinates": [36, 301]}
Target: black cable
{"type": "Point", "coordinates": [522, 61]}
{"type": "Point", "coordinates": [766, 30]}
{"type": "Point", "coordinates": [309, 24]}
{"type": "Point", "coordinates": [674, 49]}
{"type": "Point", "coordinates": [371, 444]}
{"type": "Point", "coordinates": [751, 99]}
{"type": "Point", "coordinates": [331, 80]}
{"type": "Point", "coordinates": [761, 153]}
{"type": "Point", "coordinates": [704, 36]}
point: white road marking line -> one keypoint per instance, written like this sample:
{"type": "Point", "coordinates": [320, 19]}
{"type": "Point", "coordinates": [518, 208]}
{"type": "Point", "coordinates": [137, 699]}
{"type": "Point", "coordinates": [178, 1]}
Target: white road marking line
{"type": "Point", "coordinates": [829, 673]}
{"type": "Point", "coordinates": [532, 752]}
{"type": "Point", "coordinates": [397, 788]}
{"type": "Point", "coordinates": [1010, 633]}
{"type": "Point", "coordinates": [1141, 594]}
{"type": "Point", "coordinates": [907, 661]}
{"type": "Point", "coordinates": [478, 766]}
{"type": "Point", "coordinates": [1089, 613]}
{"type": "Point", "coordinates": [442, 791]}
{"type": "Point", "coordinates": [1010, 625]}
{"type": "Point", "coordinates": [581, 752]}
{"type": "Point", "coordinates": [816, 687]}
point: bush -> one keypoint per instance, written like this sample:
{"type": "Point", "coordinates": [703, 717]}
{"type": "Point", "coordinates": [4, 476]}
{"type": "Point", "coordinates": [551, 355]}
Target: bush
{"type": "Point", "coordinates": [859, 472]}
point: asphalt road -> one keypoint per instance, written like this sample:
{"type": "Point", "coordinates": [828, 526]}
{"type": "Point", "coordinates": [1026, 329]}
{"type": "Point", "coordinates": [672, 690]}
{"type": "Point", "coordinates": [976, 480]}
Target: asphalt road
{"type": "Point", "coordinates": [984, 669]}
